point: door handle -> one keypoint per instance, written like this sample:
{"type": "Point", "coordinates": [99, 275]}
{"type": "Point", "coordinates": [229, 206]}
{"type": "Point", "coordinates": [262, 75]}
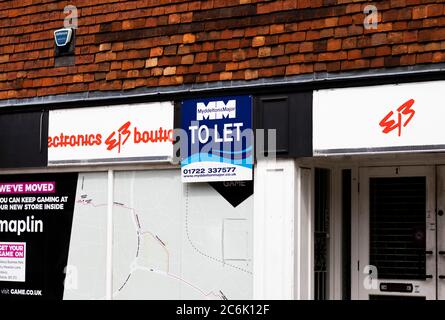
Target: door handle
{"type": "Point", "coordinates": [429, 252]}
{"type": "Point", "coordinates": [428, 276]}
{"type": "Point", "coordinates": [441, 252]}
{"type": "Point", "coordinates": [441, 277]}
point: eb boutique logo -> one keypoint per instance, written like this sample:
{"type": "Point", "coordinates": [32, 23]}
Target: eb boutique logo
{"type": "Point", "coordinates": [405, 114]}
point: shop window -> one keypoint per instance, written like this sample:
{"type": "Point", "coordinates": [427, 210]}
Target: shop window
{"type": "Point", "coordinates": [179, 241]}
{"type": "Point", "coordinates": [170, 240]}
{"type": "Point", "coordinates": [85, 272]}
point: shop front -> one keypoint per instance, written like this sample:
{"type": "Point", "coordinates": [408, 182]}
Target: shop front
{"type": "Point", "coordinates": [342, 197]}
{"type": "Point", "coordinates": [378, 171]}
{"type": "Point", "coordinates": [94, 206]}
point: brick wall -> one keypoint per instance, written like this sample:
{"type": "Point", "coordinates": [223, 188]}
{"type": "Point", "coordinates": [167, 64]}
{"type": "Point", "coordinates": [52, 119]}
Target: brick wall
{"type": "Point", "coordinates": [124, 44]}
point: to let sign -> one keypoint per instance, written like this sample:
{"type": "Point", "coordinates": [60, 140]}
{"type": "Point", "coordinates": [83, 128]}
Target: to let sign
{"type": "Point", "coordinates": [219, 144]}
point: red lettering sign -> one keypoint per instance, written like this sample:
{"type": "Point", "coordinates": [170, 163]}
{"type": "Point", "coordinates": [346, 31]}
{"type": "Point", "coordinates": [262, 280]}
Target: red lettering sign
{"type": "Point", "coordinates": [115, 140]}
{"type": "Point", "coordinates": [404, 111]}
{"type": "Point", "coordinates": [122, 132]}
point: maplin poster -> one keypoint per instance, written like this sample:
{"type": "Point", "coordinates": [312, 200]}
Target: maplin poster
{"type": "Point", "coordinates": [36, 213]}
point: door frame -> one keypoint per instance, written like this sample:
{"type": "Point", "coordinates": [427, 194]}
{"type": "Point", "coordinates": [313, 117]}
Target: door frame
{"type": "Point", "coordinates": [440, 221]}
{"type": "Point", "coordinates": [360, 236]}
{"type": "Point", "coordinates": [353, 163]}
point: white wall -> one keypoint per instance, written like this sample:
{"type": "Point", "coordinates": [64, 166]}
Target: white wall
{"type": "Point", "coordinates": [282, 231]}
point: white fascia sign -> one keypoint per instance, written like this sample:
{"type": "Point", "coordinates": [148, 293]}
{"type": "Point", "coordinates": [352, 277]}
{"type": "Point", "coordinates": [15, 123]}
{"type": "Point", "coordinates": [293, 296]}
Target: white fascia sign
{"type": "Point", "coordinates": [378, 119]}
{"type": "Point", "coordinates": [113, 134]}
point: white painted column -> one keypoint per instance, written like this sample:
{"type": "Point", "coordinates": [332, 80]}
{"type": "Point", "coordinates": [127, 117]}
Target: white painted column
{"type": "Point", "coordinates": [304, 236]}
{"type": "Point", "coordinates": [274, 245]}
{"type": "Point", "coordinates": [109, 263]}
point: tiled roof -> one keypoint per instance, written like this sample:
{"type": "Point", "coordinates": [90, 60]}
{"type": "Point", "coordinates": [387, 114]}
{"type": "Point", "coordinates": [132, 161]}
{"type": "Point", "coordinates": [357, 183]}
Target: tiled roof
{"type": "Point", "coordinates": [121, 45]}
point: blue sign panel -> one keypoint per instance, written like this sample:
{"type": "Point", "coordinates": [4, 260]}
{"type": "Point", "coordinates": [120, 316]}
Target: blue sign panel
{"type": "Point", "coordinates": [219, 144]}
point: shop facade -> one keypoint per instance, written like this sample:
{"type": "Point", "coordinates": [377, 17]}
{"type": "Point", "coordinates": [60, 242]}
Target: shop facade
{"type": "Point", "coordinates": [376, 192]}
{"type": "Point", "coordinates": [351, 210]}
{"type": "Point", "coordinates": [326, 181]}
{"type": "Point", "coordinates": [117, 218]}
